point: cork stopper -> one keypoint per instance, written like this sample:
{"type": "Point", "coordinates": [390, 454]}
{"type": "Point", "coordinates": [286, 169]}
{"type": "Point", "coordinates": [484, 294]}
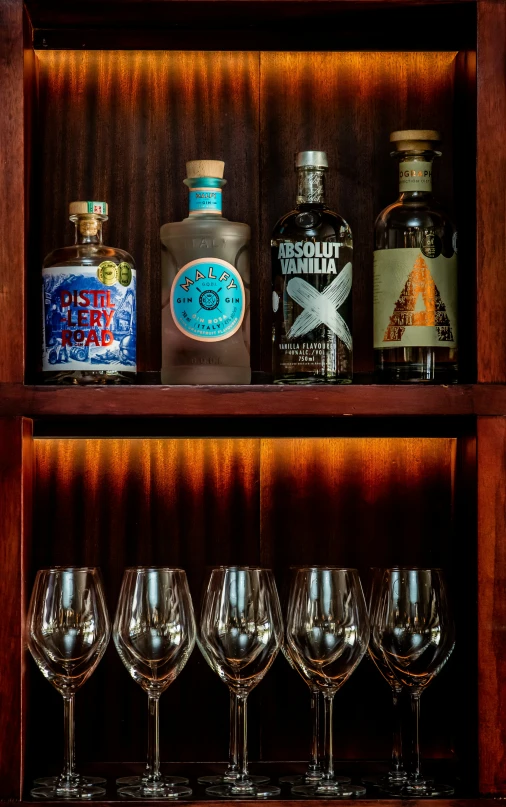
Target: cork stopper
{"type": "Point", "coordinates": [88, 208]}
{"type": "Point", "coordinates": [205, 168]}
{"type": "Point", "coordinates": [415, 139]}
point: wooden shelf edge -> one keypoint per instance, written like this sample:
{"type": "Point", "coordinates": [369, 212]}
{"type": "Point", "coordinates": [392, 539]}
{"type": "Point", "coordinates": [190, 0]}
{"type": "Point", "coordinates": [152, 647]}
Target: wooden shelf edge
{"type": "Point", "coordinates": [253, 401]}
{"type": "Point", "coordinates": [474, 802]}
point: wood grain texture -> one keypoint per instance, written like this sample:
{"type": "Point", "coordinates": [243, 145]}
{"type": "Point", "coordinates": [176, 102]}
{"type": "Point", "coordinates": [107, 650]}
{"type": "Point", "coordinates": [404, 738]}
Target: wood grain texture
{"type": "Point", "coordinates": [118, 503]}
{"type": "Point", "coordinates": [12, 191]}
{"type": "Point", "coordinates": [491, 200]}
{"type": "Point", "coordinates": [120, 126]}
{"type": "Point", "coordinates": [15, 508]}
{"type": "Point", "coordinates": [347, 104]}
{"type": "Point", "coordinates": [255, 401]}
{"type": "Point", "coordinates": [492, 604]}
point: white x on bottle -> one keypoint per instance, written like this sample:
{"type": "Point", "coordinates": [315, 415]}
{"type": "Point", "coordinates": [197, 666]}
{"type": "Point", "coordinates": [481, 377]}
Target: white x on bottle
{"type": "Point", "coordinates": [321, 306]}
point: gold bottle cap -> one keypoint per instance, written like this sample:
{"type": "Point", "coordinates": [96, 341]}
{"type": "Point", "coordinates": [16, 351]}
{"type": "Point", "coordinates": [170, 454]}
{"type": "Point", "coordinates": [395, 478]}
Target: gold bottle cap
{"type": "Point", "coordinates": [415, 139]}
{"type": "Point", "coordinates": [205, 168]}
{"type": "Point", "coordinates": [84, 208]}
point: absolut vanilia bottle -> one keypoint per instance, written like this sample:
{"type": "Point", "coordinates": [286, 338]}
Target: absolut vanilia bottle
{"type": "Point", "coordinates": [89, 306]}
{"type": "Point", "coordinates": [312, 274]}
{"type": "Point", "coordinates": [205, 288]}
{"type": "Point", "coordinates": [415, 273]}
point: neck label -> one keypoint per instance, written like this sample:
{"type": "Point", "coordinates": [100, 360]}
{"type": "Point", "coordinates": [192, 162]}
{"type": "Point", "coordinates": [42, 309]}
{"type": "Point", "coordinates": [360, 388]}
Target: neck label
{"type": "Point", "coordinates": [415, 175]}
{"type": "Point", "coordinates": [205, 200]}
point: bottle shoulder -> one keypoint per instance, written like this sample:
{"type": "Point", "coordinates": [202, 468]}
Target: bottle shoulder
{"type": "Point", "coordinates": [311, 223]}
{"type": "Point", "coordinates": [192, 227]}
{"type": "Point", "coordinates": [86, 255]}
{"type": "Point", "coordinates": [413, 213]}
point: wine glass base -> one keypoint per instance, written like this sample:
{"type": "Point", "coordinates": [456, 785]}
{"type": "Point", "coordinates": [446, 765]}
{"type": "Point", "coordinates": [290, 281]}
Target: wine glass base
{"type": "Point", "coordinates": [224, 780]}
{"type": "Point", "coordinates": [429, 790]}
{"type": "Point", "coordinates": [53, 794]}
{"type": "Point", "coordinates": [310, 779]}
{"type": "Point", "coordinates": [147, 792]}
{"type": "Point", "coordinates": [385, 781]}
{"type": "Point", "coordinates": [329, 790]}
{"type": "Point", "coordinates": [82, 781]}
{"type": "Point", "coordinates": [232, 791]}
{"type": "Point", "coordinates": [137, 781]}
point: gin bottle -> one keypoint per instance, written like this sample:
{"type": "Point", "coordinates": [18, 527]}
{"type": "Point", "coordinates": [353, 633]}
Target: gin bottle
{"type": "Point", "coordinates": [312, 275]}
{"type": "Point", "coordinates": [415, 273]}
{"type": "Point", "coordinates": [205, 288]}
{"type": "Point", "coordinates": [89, 306]}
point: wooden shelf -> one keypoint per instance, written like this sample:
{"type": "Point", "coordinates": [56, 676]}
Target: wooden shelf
{"type": "Point", "coordinates": [310, 802]}
{"type": "Point", "coordinates": [253, 401]}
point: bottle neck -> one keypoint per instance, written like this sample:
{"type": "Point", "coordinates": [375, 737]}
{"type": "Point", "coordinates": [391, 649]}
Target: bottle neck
{"type": "Point", "coordinates": [310, 186]}
{"type": "Point", "coordinates": [415, 175]}
{"type": "Point", "coordinates": [88, 229]}
{"type": "Point", "coordinates": [205, 196]}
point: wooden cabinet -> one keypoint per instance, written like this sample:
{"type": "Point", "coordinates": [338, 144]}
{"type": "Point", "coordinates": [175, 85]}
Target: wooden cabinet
{"type": "Point", "coordinates": [108, 100]}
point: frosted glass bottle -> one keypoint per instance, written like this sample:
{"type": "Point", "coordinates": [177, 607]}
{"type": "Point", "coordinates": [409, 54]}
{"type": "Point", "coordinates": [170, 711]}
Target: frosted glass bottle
{"type": "Point", "coordinates": [205, 288]}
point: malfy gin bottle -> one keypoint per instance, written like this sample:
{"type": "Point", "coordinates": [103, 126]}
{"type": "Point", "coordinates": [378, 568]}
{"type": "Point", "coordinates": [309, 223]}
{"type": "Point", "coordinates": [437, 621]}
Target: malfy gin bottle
{"type": "Point", "coordinates": [205, 288]}
{"type": "Point", "coordinates": [89, 306]}
{"type": "Point", "coordinates": [312, 252]}
{"type": "Point", "coordinates": [415, 273]}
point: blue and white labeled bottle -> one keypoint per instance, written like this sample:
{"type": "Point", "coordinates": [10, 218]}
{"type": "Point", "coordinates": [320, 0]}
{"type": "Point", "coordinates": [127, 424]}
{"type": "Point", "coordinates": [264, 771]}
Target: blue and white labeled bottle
{"type": "Point", "coordinates": [205, 288]}
{"type": "Point", "coordinates": [89, 296]}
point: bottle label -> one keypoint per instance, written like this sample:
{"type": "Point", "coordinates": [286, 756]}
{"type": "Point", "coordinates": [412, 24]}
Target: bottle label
{"type": "Point", "coordinates": [207, 300]}
{"type": "Point", "coordinates": [415, 175]}
{"type": "Point", "coordinates": [415, 298]}
{"type": "Point", "coordinates": [204, 200]}
{"type": "Point", "coordinates": [89, 317]}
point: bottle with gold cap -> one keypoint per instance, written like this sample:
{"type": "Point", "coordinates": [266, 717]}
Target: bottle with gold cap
{"type": "Point", "coordinates": [205, 288]}
{"type": "Point", "coordinates": [89, 306]}
{"type": "Point", "coordinates": [415, 273]}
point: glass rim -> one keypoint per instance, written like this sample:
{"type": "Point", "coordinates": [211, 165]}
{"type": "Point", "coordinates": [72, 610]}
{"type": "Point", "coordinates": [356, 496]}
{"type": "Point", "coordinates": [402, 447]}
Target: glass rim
{"type": "Point", "coordinates": [55, 569]}
{"type": "Point", "coordinates": [240, 568]}
{"type": "Point", "coordinates": [409, 568]}
{"type": "Point", "coordinates": [325, 568]}
{"type": "Point", "coordinates": [141, 569]}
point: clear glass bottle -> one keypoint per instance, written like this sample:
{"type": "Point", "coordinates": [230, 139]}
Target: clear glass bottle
{"type": "Point", "coordinates": [415, 273]}
{"type": "Point", "coordinates": [312, 252]}
{"type": "Point", "coordinates": [89, 306]}
{"type": "Point", "coordinates": [205, 288]}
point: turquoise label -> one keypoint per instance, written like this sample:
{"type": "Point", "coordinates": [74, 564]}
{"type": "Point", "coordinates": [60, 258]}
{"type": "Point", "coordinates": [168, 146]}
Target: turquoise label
{"type": "Point", "coordinates": [205, 200]}
{"type": "Point", "coordinates": [207, 300]}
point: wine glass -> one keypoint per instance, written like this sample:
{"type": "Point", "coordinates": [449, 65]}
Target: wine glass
{"type": "Point", "coordinates": [327, 633]}
{"type": "Point", "coordinates": [413, 629]}
{"type": "Point", "coordinates": [397, 774]}
{"type": "Point", "coordinates": [314, 770]}
{"type": "Point", "coordinates": [68, 631]}
{"type": "Point", "coordinates": [154, 634]}
{"type": "Point", "coordinates": [241, 632]}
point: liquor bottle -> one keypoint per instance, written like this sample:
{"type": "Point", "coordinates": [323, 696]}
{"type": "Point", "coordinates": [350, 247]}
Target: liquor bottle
{"type": "Point", "coordinates": [205, 288]}
{"type": "Point", "coordinates": [415, 273]}
{"type": "Point", "coordinates": [89, 306]}
{"type": "Point", "coordinates": [312, 253]}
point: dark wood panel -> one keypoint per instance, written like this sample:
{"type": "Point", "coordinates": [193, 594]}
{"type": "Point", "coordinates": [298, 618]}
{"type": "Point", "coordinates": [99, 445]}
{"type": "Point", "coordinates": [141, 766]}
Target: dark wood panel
{"type": "Point", "coordinates": [347, 104]}
{"type": "Point", "coordinates": [15, 512]}
{"type": "Point", "coordinates": [117, 503]}
{"type": "Point", "coordinates": [253, 401]}
{"type": "Point", "coordinates": [12, 192]}
{"type": "Point", "coordinates": [120, 126]}
{"type": "Point", "coordinates": [491, 200]}
{"type": "Point", "coordinates": [492, 604]}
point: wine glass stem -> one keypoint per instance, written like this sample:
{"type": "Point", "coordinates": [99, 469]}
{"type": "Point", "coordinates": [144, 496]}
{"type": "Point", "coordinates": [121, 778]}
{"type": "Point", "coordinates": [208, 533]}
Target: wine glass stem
{"type": "Point", "coordinates": [232, 760]}
{"type": "Point", "coordinates": [328, 700]}
{"type": "Point", "coordinates": [69, 759]}
{"type": "Point", "coordinates": [153, 764]}
{"type": "Point", "coordinates": [242, 737]}
{"type": "Point", "coordinates": [415, 773]}
{"type": "Point", "coordinates": [397, 730]}
{"type": "Point", "coordinates": [313, 758]}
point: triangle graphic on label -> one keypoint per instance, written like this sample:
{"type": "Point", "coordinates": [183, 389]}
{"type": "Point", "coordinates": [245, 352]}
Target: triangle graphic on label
{"type": "Point", "coordinates": [419, 303]}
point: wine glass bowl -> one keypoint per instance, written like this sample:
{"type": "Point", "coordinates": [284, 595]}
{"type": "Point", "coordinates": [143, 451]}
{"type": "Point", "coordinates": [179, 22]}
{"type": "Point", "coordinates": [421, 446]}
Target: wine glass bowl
{"type": "Point", "coordinates": [154, 634]}
{"type": "Point", "coordinates": [68, 631]}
